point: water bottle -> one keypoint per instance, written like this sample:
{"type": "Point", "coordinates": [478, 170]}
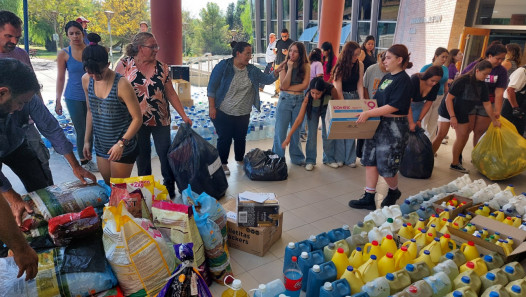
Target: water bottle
{"type": "Point", "coordinates": [293, 277]}
{"type": "Point", "coordinates": [294, 249]}
{"type": "Point", "coordinates": [271, 289]}
{"type": "Point", "coordinates": [339, 233]}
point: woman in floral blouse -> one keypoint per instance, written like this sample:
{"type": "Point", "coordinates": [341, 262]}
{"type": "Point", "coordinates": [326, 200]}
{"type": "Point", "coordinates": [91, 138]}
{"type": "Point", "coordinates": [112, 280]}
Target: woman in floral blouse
{"type": "Point", "coordinates": [152, 83]}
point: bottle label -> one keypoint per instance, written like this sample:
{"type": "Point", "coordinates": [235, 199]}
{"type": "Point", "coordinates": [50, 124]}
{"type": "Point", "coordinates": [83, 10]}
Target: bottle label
{"type": "Point", "coordinates": [292, 284]}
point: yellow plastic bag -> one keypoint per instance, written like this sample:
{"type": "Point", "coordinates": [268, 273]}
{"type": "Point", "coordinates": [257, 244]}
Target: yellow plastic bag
{"type": "Point", "coordinates": [137, 252]}
{"type": "Point", "coordinates": [501, 152]}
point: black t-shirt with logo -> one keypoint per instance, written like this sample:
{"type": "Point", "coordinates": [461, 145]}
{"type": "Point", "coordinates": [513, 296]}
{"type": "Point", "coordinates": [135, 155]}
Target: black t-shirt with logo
{"type": "Point", "coordinates": [280, 46]}
{"type": "Point", "coordinates": [395, 90]}
{"type": "Point", "coordinates": [467, 96]}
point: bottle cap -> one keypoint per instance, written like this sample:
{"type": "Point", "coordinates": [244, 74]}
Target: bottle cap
{"type": "Point", "coordinates": [488, 258]}
{"type": "Point", "coordinates": [497, 233]}
{"type": "Point", "coordinates": [350, 268]}
{"type": "Point", "coordinates": [327, 286]}
{"type": "Point", "coordinates": [404, 224]}
{"type": "Point", "coordinates": [345, 227]}
{"type": "Point", "coordinates": [404, 248]}
{"type": "Point", "coordinates": [470, 265]}
{"type": "Point", "coordinates": [437, 239]}
{"type": "Point", "coordinates": [389, 236]}
{"type": "Point", "coordinates": [457, 294]}
{"type": "Point", "coordinates": [516, 289]}
{"type": "Point", "coordinates": [422, 208]}
{"type": "Point", "coordinates": [509, 269]}
{"type": "Point", "coordinates": [373, 257]}
{"type": "Point", "coordinates": [471, 243]}
{"type": "Point", "coordinates": [494, 294]}
{"type": "Point", "coordinates": [450, 256]}
{"type": "Point", "coordinates": [390, 220]}
{"type": "Point", "coordinates": [426, 252]}
{"type": "Point", "coordinates": [359, 249]}
{"type": "Point", "coordinates": [360, 224]}
{"type": "Point", "coordinates": [312, 238]}
{"type": "Point", "coordinates": [430, 234]}
{"type": "Point", "coordinates": [375, 243]}
{"type": "Point", "coordinates": [291, 245]}
{"type": "Point", "coordinates": [294, 259]}
{"type": "Point", "coordinates": [490, 276]}
{"type": "Point", "coordinates": [340, 251]}
{"type": "Point", "coordinates": [413, 289]}
{"type": "Point", "coordinates": [316, 268]}
{"type": "Point", "coordinates": [480, 207]}
{"type": "Point", "coordinates": [262, 288]}
{"type": "Point", "coordinates": [421, 220]}
{"type": "Point", "coordinates": [465, 279]}
{"type": "Point", "coordinates": [410, 267]}
{"type": "Point", "coordinates": [447, 236]}
{"type": "Point", "coordinates": [413, 240]}
{"type": "Point", "coordinates": [407, 201]}
{"type": "Point", "coordinates": [433, 225]}
{"type": "Point", "coordinates": [389, 255]}
{"type": "Point", "coordinates": [236, 284]}
{"type": "Point", "coordinates": [331, 245]}
{"type": "Point", "coordinates": [304, 255]}
{"type": "Point", "coordinates": [389, 277]}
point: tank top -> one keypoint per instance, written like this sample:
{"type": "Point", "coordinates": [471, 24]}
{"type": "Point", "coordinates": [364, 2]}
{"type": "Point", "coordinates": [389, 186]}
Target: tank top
{"type": "Point", "coordinates": [368, 61]}
{"type": "Point", "coordinates": [111, 120]}
{"type": "Point", "coordinates": [350, 84]}
{"type": "Point", "coordinates": [74, 90]}
{"type": "Point", "coordinates": [294, 79]}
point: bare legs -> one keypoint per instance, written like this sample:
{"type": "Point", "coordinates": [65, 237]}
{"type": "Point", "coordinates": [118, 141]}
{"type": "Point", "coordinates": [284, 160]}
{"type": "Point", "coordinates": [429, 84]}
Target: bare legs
{"type": "Point", "coordinates": [113, 169]}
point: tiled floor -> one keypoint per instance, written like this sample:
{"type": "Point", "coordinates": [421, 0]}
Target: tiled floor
{"type": "Point", "coordinates": [312, 202]}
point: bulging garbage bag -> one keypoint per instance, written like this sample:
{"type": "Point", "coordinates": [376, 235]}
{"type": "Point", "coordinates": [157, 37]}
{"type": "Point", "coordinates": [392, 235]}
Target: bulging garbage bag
{"type": "Point", "coordinates": [418, 160]}
{"type": "Point", "coordinates": [265, 166]}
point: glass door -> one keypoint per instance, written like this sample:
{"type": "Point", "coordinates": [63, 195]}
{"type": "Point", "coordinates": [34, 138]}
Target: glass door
{"type": "Point", "coordinates": [473, 43]}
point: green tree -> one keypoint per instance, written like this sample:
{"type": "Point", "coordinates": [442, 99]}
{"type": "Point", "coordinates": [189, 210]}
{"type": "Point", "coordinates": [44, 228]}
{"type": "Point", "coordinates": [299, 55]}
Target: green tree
{"type": "Point", "coordinates": [246, 23]}
{"type": "Point", "coordinates": [213, 30]}
{"type": "Point", "coordinates": [230, 16]}
{"type": "Point", "coordinates": [190, 42]}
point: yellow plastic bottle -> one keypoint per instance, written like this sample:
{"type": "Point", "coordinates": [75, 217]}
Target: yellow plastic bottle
{"type": "Point", "coordinates": [388, 245]}
{"type": "Point", "coordinates": [372, 249]}
{"type": "Point", "coordinates": [432, 229]}
{"type": "Point", "coordinates": [406, 231]}
{"type": "Point", "coordinates": [421, 224]}
{"type": "Point", "coordinates": [341, 262]}
{"type": "Point", "coordinates": [514, 271]}
{"type": "Point", "coordinates": [500, 291]}
{"type": "Point", "coordinates": [402, 258]}
{"type": "Point", "coordinates": [517, 221]}
{"type": "Point", "coordinates": [499, 215]}
{"type": "Point", "coordinates": [517, 288]}
{"type": "Point", "coordinates": [481, 212]}
{"type": "Point", "coordinates": [369, 270]}
{"type": "Point", "coordinates": [412, 247]}
{"type": "Point", "coordinates": [476, 265]}
{"type": "Point", "coordinates": [470, 250]}
{"type": "Point", "coordinates": [486, 209]}
{"type": "Point", "coordinates": [508, 221]}
{"type": "Point", "coordinates": [435, 250]}
{"type": "Point", "coordinates": [235, 290]}
{"type": "Point", "coordinates": [484, 233]}
{"type": "Point", "coordinates": [470, 228]}
{"type": "Point", "coordinates": [386, 264]}
{"type": "Point", "coordinates": [447, 244]}
{"type": "Point", "coordinates": [444, 228]}
{"type": "Point", "coordinates": [493, 277]}
{"type": "Point", "coordinates": [420, 238]}
{"type": "Point", "coordinates": [426, 258]}
{"type": "Point", "coordinates": [505, 246]}
{"type": "Point", "coordinates": [434, 219]}
{"type": "Point", "coordinates": [354, 278]}
{"type": "Point", "coordinates": [356, 258]}
{"type": "Point", "coordinates": [342, 243]}
{"type": "Point", "coordinates": [444, 215]}
{"type": "Point", "coordinates": [511, 188]}
{"type": "Point", "coordinates": [460, 220]}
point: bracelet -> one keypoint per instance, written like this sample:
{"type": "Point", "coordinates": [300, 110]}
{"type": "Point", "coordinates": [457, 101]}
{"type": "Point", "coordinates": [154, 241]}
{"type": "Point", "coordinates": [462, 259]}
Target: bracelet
{"type": "Point", "coordinates": [452, 116]}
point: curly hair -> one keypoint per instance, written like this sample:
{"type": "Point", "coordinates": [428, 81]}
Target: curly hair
{"type": "Point", "coordinates": [345, 67]}
{"type": "Point", "coordinates": [302, 60]}
{"type": "Point", "coordinates": [514, 52]}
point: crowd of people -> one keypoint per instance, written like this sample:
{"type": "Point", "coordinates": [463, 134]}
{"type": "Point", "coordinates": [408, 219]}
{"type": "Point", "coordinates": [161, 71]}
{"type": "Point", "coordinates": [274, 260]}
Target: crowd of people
{"type": "Point", "coordinates": [116, 112]}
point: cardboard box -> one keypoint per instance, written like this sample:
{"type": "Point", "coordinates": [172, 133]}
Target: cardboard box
{"type": "Point", "coordinates": [474, 208]}
{"type": "Point", "coordinates": [254, 214]}
{"type": "Point", "coordinates": [253, 240]}
{"type": "Point", "coordinates": [518, 235]}
{"type": "Point", "coordinates": [453, 213]}
{"type": "Point", "coordinates": [183, 89]}
{"type": "Point", "coordinates": [341, 117]}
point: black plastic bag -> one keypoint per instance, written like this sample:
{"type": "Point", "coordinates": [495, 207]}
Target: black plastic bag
{"type": "Point", "coordinates": [196, 162]}
{"type": "Point", "coordinates": [418, 160]}
{"type": "Point", "coordinates": [265, 165]}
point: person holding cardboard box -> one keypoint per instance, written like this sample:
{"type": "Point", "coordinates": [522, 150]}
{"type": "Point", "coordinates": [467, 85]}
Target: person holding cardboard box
{"type": "Point", "coordinates": [348, 81]}
{"type": "Point", "coordinates": [382, 154]}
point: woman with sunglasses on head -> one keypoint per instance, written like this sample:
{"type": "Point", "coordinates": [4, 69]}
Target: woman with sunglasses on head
{"type": "Point", "coordinates": [151, 79]}
{"type": "Point", "coordinates": [114, 116]}
{"type": "Point", "coordinates": [70, 60]}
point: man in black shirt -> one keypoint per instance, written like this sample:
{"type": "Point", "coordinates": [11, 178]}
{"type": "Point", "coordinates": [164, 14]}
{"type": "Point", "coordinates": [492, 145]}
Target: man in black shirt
{"type": "Point", "coordinates": [281, 50]}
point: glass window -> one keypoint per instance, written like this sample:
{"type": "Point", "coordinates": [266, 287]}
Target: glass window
{"type": "Point", "coordinates": [286, 9]}
{"type": "Point", "coordinates": [364, 11]}
{"type": "Point", "coordinates": [253, 9]}
{"type": "Point", "coordinates": [263, 29]}
{"type": "Point", "coordinates": [347, 10]}
{"type": "Point", "coordinates": [274, 9]}
{"type": "Point", "coordinates": [501, 12]}
{"type": "Point", "coordinates": [386, 32]}
{"type": "Point", "coordinates": [287, 26]}
{"type": "Point", "coordinates": [299, 9]}
{"type": "Point", "coordinates": [314, 9]}
{"type": "Point", "coordinates": [299, 28]}
{"type": "Point", "coordinates": [274, 28]}
{"type": "Point", "coordinates": [262, 9]}
{"type": "Point", "coordinates": [363, 31]}
{"type": "Point", "coordinates": [388, 10]}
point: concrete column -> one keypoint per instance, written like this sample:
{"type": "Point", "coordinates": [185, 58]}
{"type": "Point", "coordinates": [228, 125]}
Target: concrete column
{"type": "Point", "coordinates": [375, 9]}
{"type": "Point", "coordinates": [280, 18]}
{"type": "Point", "coordinates": [331, 23]}
{"type": "Point", "coordinates": [257, 40]}
{"type": "Point", "coordinates": [293, 24]}
{"type": "Point", "coordinates": [306, 15]}
{"type": "Point", "coordinates": [169, 38]}
{"type": "Point", "coordinates": [268, 6]}
{"type": "Point", "coordinates": [354, 19]}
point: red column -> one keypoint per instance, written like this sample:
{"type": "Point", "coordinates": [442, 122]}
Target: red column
{"type": "Point", "coordinates": [331, 23]}
{"type": "Point", "coordinates": [167, 26]}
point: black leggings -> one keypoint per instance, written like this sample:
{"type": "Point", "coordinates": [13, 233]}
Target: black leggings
{"type": "Point", "coordinates": [231, 127]}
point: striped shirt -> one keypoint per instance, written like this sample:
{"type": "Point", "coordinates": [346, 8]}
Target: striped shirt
{"type": "Point", "coordinates": [240, 96]}
{"type": "Point", "coordinates": [111, 120]}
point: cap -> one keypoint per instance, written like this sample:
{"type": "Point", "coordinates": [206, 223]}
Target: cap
{"type": "Point", "coordinates": [327, 286]}
{"type": "Point", "coordinates": [331, 245]}
{"type": "Point", "coordinates": [291, 245]}
{"type": "Point", "coordinates": [389, 236]}
{"type": "Point", "coordinates": [304, 255]}
{"type": "Point", "coordinates": [509, 269]}
{"type": "Point", "coordinates": [316, 268]}
{"type": "Point", "coordinates": [413, 289]}
{"type": "Point", "coordinates": [312, 238]}
{"type": "Point", "coordinates": [359, 249]}
{"type": "Point", "coordinates": [404, 248]}
{"type": "Point", "coordinates": [447, 236]}
{"type": "Point", "coordinates": [236, 284]}
{"type": "Point", "coordinates": [389, 277]}
{"type": "Point", "coordinates": [490, 276]}
{"type": "Point", "coordinates": [374, 242]}
{"type": "Point", "coordinates": [470, 265]}
{"type": "Point", "coordinates": [294, 259]}
{"type": "Point", "coordinates": [390, 220]}
{"type": "Point", "coordinates": [345, 227]}
{"type": "Point", "coordinates": [143, 22]}
{"type": "Point", "coordinates": [360, 224]}
{"type": "Point", "coordinates": [410, 267]}
{"type": "Point", "coordinates": [350, 268]}
{"type": "Point", "coordinates": [426, 252]}
{"type": "Point", "coordinates": [389, 255]}
{"type": "Point", "coordinates": [262, 288]}
{"type": "Point", "coordinates": [82, 20]}
{"type": "Point", "coordinates": [493, 294]}
{"type": "Point", "coordinates": [488, 258]}
{"type": "Point", "coordinates": [407, 201]}
{"type": "Point", "coordinates": [340, 251]}
{"type": "Point", "coordinates": [516, 289]}
{"type": "Point", "coordinates": [457, 294]}
{"type": "Point", "coordinates": [373, 257]}
{"type": "Point", "coordinates": [465, 279]}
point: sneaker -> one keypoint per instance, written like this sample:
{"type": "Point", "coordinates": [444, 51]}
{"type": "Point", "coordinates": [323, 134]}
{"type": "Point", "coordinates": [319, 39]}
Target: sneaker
{"type": "Point", "coordinates": [309, 167]}
{"type": "Point", "coordinates": [392, 196]}
{"type": "Point", "coordinates": [458, 168]}
{"type": "Point", "coordinates": [90, 166]}
{"type": "Point", "coordinates": [340, 164]}
{"type": "Point", "coordinates": [365, 202]}
{"type": "Point", "coordinates": [332, 165]}
{"type": "Point", "coordinates": [444, 141]}
{"type": "Point", "coordinates": [303, 138]}
{"type": "Point", "coordinates": [352, 165]}
{"type": "Point", "coordinates": [226, 169]}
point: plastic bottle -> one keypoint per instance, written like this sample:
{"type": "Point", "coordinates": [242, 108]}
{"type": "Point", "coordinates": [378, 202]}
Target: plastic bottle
{"type": "Point", "coordinates": [294, 249]}
{"type": "Point", "coordinates": [372, 249]}
{"type": "Point", "coordinates": [425, 257]}
{"type": "Point", "coordinates": [448, 267]}
{"type": "Point", "coordinates": [493, 277]}
{"type": "Point", "coordinates": [306, 261]}
{"type": "Point", "coordinates": [421, 224]}
{"type": "Point", "coordinates": [369, 270]}
{"type": "Point", "coordinates": [338, 288]}
{"type": "Point", "coordinates": [462, 292]}
{"type": "Point", "coordinates": [386, 264]}
{"type": "Point", "coordinates": [456, 255]}
{"type": "Point", "coordinates": [379, 287]}
{"type": "Point", "coordinates": [493, 260]}
{"type": "Point", "coordinates": [406, 231]}
{"type": "Point", "coordinates": [496, 291]}
{"type": "Point", "coordinates": [328, 251]}
{"type": "Point", "coordinates": [412, 247]}
{"type": "Point", "coordinates": [510, 188]}
{"type": "Point", "coordinates": [402, 257]}
{"type": "Point", "coordinates": [476, 265]}
{"type": "Point", "coordinates": [388, 245]}
{"type": "Point", "coordinates": [339, 233]}
{"type": "Point", "coordinates": [439, 283]}
{"type": "Point", "coordinates": [319, 241]}
{"type": "Point", "coordinates": [293, 277]}
{"type": "Point", "coordinates": [356, 257]}
{"type": "Point", "coordinates": [513, 271]}
{"type": "Point", "coordinates": [469, 250]}
{"type": "Point", "coordinates": [410, 205]}
{"type": "Point", "coordinates": [468, 279]}
{"type": "Point", "coordinates": [398, 280]}
{"type": "Point", "coordinates": [417, 271]}
{"type": "Point", "coordinates": [517, 288]}
{"type": "Point", "coordinates": [363, 226]}
{"type": "Point", "coordinates": [318, 275]}
{"type": "Point", "coordinates": [411, 218]}
{"type": "Point", "coordinates": [435, 250]}
{"type": "Point", "coordinates": [357, 239]}
{"type": "Point", "coordinates": [447, 244]}
{"type": "Point", "coordinates": [342, 243]}
{"type": "Point", "coordinates": [235, 290]}
{"type": "Point", "coordinates": [420, 288]}
{"type": "Point", "coordinates": [420, 238]}
{"type": "Point", "coordinates": [271, 289]}
{"type": "Point", "coordinates": [341, 262]}
{"type": "Point", "coordinates": [354, 278]}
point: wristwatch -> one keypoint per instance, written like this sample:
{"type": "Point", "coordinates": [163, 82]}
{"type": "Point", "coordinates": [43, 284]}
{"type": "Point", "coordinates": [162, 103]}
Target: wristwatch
{"type": "Point", "coordinates": [125, 142]}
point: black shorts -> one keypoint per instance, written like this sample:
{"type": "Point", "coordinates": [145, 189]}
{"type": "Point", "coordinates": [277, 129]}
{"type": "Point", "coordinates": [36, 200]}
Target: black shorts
{"type": "Point", "coordinates": [386, 148]}
{"type": "Point", "coordinates": [126, 159]}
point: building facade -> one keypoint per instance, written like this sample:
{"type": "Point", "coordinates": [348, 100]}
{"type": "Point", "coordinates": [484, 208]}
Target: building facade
{"type": "Point", "coordinates": [301, 18]}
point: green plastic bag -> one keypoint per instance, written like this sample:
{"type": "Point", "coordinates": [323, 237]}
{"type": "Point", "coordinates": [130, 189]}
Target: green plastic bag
{"type": "Point", "coordinates": [501, 153]}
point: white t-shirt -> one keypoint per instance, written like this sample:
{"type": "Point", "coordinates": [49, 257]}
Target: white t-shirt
{"type": "Point", "coordinates": [270, 56]}
{"type": "Point", "coordinates": [517, 80]}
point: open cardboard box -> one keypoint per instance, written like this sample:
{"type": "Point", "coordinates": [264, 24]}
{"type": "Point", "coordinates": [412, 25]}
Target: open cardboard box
{"type": "Point", "coordinates": [474, 208]}
{"type": "Point", "coordinates": [518, 235]}
{"type": "Point", "coordinates": [341, 117]}
{"type": "Point", "coordinates": [453, 213]}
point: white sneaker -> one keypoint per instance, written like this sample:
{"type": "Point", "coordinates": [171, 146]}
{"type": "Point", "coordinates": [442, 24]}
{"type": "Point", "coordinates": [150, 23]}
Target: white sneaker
{"type": "Point", "coordinates": [309, 167]}
{"type": "Point", "coordinates": [332, 165]}
{"type": "Point", "coordinates": [90, 166]}
{"type": "Point", "coordinates": [226, 169]}
{"type": "Point", "coordinates": [352, 165]}
{"type": "Point", "coordinates": [340, 164]}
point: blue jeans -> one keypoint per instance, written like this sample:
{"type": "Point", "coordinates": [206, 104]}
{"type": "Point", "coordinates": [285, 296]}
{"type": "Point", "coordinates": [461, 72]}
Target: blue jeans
{"type": "Point", "coordinates": [312, 139]}
{"type": "Point", "coordinates": [287, 111]}
{"type": "Point", "coordinates": [416, 108]}
{"type": "Point", "coordinates": [78, 110]}
{"type": "Point", "coordinates": [345, 150]}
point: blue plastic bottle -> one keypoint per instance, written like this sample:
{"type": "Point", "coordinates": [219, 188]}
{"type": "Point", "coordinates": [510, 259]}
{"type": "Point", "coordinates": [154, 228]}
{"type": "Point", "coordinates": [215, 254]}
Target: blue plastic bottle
{"type": "Point", "coordinates": [295, 249]}
{"type": "Point", "coordinates": [318, 275]}
{"type": "Point", "coordinates": [339, 288]}
{"type": "Point", "coordinates": [319, 241]}
{"type": "Point", "coordinates": [306, 261]}
{"type": "Point", "coordinates": [339, 233]}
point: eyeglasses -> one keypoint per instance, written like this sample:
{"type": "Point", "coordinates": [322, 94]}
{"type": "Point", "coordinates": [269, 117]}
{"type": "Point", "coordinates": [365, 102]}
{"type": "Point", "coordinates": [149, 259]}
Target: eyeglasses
{"type": "Point", "coordinates": [284, 36]}
{"type": "Point", "coordinates": [153, 47]}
